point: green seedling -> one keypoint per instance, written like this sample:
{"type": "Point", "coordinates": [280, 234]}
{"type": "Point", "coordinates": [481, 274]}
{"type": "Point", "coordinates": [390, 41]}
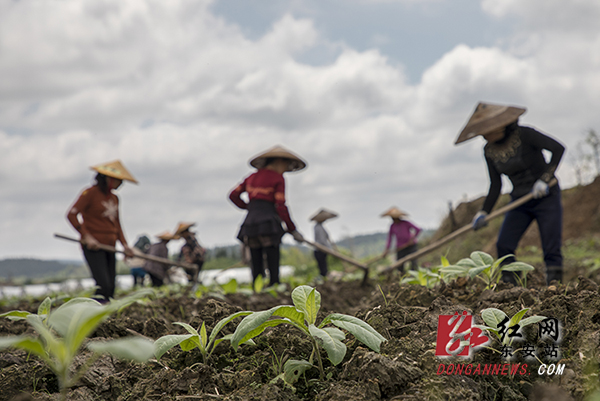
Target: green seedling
{"type": "Point", "coordinates": [303, 316]}
{"type": "Point", "coordinates": [424, 277]}
{"type": "Point", "coordinates": [503, 327]}
{"type": "Point", "coordinates": [62, 332]}
{"type": "Point", "coordinates": [196, 338]}
{"type": "Point", "coordinates": [292, 370]}
{"type": "Point", "coordinates": [482, 265]}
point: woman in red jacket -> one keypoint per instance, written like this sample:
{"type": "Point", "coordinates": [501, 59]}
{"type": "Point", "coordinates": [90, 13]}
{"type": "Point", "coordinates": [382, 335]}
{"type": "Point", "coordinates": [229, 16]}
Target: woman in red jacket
{"type": "Point", "coordinates": [261, 231]}
{"type": "Point", "coordinates": [98, 207]}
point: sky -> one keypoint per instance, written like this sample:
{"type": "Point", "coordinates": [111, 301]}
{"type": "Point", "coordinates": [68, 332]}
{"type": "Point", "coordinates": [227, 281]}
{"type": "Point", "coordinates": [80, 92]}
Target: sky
{"type": "Point", "coordinates": [371, 93]}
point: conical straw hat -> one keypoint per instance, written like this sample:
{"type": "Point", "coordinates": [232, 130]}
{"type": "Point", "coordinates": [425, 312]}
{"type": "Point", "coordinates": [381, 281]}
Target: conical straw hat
{"type": "Point", "coordinates": [489, 117]}
{"type": "Point", "coordinates": [323, 215]}
{"type": "Point", "coordinates": [296, 163]}
{"type": "Point", "coordinates": [182, 226]}
{"type": "Point", "coordinates": [114, 169]}
{"type": "Point", "coordinates": [165, 235]}
{"type": "Point", "coordinates": [394, 212]}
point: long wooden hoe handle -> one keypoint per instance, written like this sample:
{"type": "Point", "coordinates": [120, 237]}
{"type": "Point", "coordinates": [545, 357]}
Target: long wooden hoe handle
{"type": "Point", "coordinates": [138, 255]}
{"type": "Point", "coordinates": [337, 254]}
{"type": "Point", "coordinates": [463, 230]}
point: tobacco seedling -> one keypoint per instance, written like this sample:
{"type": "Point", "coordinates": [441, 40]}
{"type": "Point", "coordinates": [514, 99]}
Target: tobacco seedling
{"type": "Point", "coordinates": [504, 328]}
{"type": "Point", "coordinates": [196, 338]}
{"type": "Point", "coordinates": [424, 277]}
{"type": "Point", "coordinates": [62, 332]}
{"type": "Point", "coordinates": [303, 316]}
{"type": "Point", "coordinates": [482, 265]}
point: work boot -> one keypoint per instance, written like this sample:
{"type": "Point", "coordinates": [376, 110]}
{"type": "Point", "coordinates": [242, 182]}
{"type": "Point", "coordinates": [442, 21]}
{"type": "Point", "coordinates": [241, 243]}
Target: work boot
{"type": "Point", "coordinates": [554, 273]}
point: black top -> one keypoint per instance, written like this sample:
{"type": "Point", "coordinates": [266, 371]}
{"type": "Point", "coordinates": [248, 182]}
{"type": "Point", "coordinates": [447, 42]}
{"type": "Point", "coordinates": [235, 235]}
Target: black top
{"type": "Point", "coordinates": [519, 156]}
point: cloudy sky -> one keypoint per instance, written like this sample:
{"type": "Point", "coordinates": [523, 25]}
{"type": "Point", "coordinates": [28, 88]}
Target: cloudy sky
{"type": "Point", "coordinates": [371, 93]}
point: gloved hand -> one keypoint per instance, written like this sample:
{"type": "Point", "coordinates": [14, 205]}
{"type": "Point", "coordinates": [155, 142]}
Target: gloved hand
{"type": "Point", "coordinates": [479, 220]}
{"type": "Point", "coordinates": [540, 189]}
{"type": "Point", "coordinates": [297, 236]}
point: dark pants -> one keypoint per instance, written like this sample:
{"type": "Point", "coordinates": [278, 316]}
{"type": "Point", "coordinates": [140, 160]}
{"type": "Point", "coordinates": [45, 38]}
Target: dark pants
{"type": "Point", "coordinates": [138, 274]}
{"type": "Point", "coordinates": [156, 282]}
{"type": "Point", "coordinates": [547, 211]}
{"type": "Point", "coordinates": [271, 254]}
{"type": "Point", "coordinates": [103, 267]}
{"type": "Point", "coordinates": [321, 258]}
{"type": "Point", "coordinates": [405, 252]}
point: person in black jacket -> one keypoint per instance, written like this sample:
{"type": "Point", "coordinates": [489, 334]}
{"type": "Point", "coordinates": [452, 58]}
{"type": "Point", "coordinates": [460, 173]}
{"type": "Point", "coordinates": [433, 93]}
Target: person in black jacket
{"type": "Point", "coordinates": [516, 152]}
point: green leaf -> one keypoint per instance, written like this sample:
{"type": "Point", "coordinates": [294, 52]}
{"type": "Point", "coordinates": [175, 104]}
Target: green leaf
{"type": "Point", "coordinates": [203, 335]}
{"type": "Point", "coordinates": [44, 308]}
{"type": "Point", "coordinates": [336, 350]}
{"type": "Point", "coordinates": [445, 261]}
{"type": "Point", "coordinates": [60, 318]}
{"type": "Point", "coordinates": [189, 328]}
{"type": "Point", "coordinates": [258, 330]}
{"type": "Point", "coordinates": [482, 258]}
{"type": "Point", "coordinates": [130, 348]}
{"type": "Point", "coordinates": [165, 343]}
{"type": "Point", "coordinates": [219, 326]}
{"type": "Point", "coordinates": [531, 320]}
{"type": "Point", "coordinates": [300, 297]}
{"type": "Point", "coordinates": [517, 317]}
{"type": "Point", "coordinates": [474, 272]}
{"type": "Point", "coordinates": [249, 324]}
{"type": "Point", "coordinates": [53, 344]}
{"type": "Point", "coordinates": [230, 287]}
{"type": "Point", "coordinates": [191, 343]}
{"type": "Point", "coordinates": [517, 267]}
{"type": "Point", "coordinates": [259, 284]}
{"type": "Point", "coordinates": [291, 313]}
{"type": "Point", "coordinates": [358, 328]}
{"type": "Point", "coordinates": [492, 317]}
{"type": "Point", "coordinates": [16, 315]}
{"type": "Point", "coordinates": [25, 343]}
{"type": "Point", "coordinates": [466, 262]}
{"type": "Point", "coordinates": [293, 369]}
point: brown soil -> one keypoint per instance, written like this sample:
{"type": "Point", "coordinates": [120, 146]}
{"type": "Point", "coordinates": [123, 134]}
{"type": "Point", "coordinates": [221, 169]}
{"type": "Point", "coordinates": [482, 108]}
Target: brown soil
{"type": "Point", "coordinates": [405, 369]}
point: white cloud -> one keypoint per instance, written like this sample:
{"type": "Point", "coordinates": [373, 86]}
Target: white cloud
{"type": "Point", "coordinates": [185, 99]}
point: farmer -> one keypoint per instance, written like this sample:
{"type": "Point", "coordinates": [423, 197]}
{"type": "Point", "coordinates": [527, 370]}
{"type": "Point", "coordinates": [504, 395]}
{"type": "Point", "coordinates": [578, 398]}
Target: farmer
{"type": "Point", "coordinates": [405, 233]}
{"type": "Point", "coordinates": [262, 229]}
{"type": "Point", "coordinates": [322, 238]}
{"type": "Point", "coordinates": [95, 215]}
{"type": "Point", "coordinates": [516, 151]}
{"type": "Point", "coordinates": [158, 271]}
{"type": "Point", "coordinates": [191, 251]}
{"type": "Point", "coordinates": [136, 264]}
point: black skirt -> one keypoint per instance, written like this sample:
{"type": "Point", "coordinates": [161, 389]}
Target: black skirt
{"type": "Point", "coordinates": [262, 226]}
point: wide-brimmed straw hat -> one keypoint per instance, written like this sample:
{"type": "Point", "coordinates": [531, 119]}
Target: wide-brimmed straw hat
{"type": "Point", "coordinates": [166, 236]}
{"type": "Point", "coordinates": [296, 163]}
{"type": "Point", "coordinates": [114, 169]}
{"type": "Point", "coordinates": [183, 226]}
{"type": "Point", "coordinates": [394, 212]}
{"type": "Point", "coordinates": [323, 215]}
{"type": "Point", "coordinates": [489, 117]}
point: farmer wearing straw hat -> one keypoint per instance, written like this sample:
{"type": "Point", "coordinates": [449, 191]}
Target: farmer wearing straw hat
{"type": "Point", "coordinates": [191, 251]}
{"type": "Point", "coordinates": [262, 230]}
{"type": "Point", "coordinates": [95, 215]}
{"type": "Point", "coordinates": [322, 238]}
{"type": "Point", "coordinates": [156, 270]}
{"type": "Point", "coordinates": [405, 233]}
{"type": "Point", "coordinates": [516, 152]}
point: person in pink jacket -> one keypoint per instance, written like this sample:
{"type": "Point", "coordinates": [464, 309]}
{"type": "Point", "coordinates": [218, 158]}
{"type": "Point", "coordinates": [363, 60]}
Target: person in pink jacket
{"type": "Point", "coordinates": [405, 233]}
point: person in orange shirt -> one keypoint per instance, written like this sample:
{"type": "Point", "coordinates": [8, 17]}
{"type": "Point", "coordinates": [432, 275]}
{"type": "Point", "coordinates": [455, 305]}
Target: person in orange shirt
{"type": "Point", "coordinates": [95, 215]}
{"type": "Point", "coordinates": [262, 231]}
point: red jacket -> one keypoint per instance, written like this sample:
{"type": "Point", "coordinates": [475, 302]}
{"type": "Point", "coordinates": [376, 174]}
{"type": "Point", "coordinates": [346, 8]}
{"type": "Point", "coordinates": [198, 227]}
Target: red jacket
{"type": "Point", "coordinates": [265, 185]}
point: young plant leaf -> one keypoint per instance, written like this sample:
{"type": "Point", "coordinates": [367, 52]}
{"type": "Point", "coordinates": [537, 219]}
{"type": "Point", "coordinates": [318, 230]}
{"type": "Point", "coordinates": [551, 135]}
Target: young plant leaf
{"type": "Point", "coordinates": [167, 342]}
{"type": "Point", "coordinates": [492, 317]}
{"type": "Point", "coordinates": [300, 297]}
{"type": "Point", "coordinates": [293, 369]}
{"type": "Point", "coordinates": [131, 348]}
{"type": "Point", "coordinates": [530, 320]}
{"type": "Point", "coordinates": [482, 258]}
{"type": "Point", "coordinates": [336, 350]}
{"type": "Point", "coordinates": [358, 328]}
